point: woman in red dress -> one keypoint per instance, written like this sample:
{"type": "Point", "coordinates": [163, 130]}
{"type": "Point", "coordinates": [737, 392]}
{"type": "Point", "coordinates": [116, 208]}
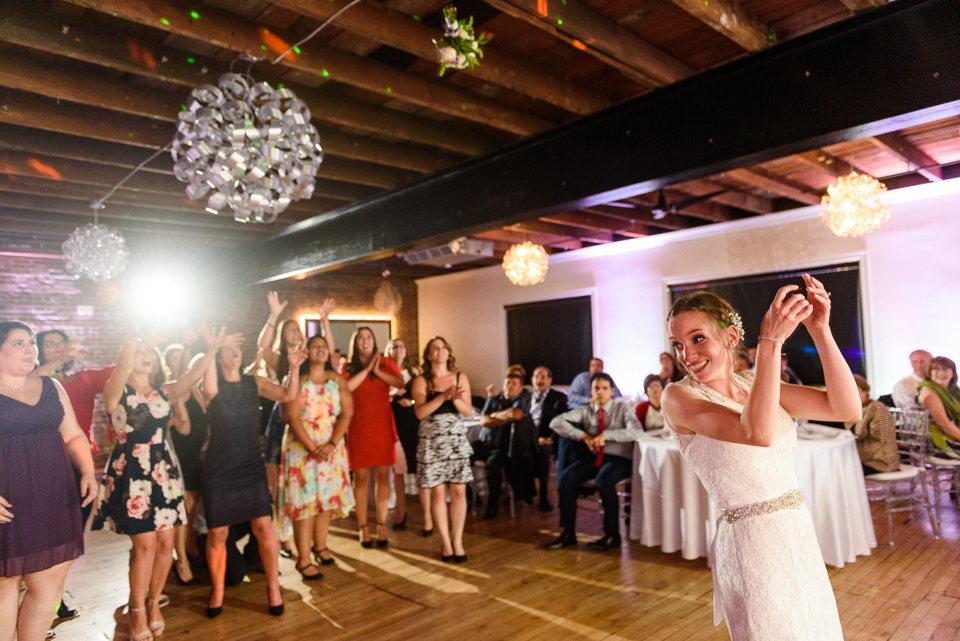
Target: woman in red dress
{"type": "Point", "coordinates": [373, 432]}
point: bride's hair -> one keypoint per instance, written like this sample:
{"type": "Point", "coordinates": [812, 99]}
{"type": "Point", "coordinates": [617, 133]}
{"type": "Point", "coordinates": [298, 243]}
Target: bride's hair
{"type": "Point", "coordinates": [720, 312]}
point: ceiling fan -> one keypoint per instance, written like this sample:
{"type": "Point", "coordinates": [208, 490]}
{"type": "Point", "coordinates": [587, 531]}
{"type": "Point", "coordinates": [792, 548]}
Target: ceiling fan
{"type": "Point", "coordinates": [662, 208]}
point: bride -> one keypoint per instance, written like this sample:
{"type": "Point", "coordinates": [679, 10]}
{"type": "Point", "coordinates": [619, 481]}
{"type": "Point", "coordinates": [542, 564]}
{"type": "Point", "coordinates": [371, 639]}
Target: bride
{"type": "Point", "coordinates": [735, 430]}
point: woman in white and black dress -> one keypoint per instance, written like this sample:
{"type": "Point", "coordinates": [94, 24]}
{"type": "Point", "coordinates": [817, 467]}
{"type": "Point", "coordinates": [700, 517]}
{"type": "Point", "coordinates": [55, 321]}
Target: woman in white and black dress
{"type": "Point", "coordinates": [735, 430]}
{"type": "Point", "coordinates": [441, 395]}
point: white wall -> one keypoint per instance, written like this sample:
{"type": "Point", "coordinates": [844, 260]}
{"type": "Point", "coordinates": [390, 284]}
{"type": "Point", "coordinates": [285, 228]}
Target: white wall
{"type": "Point", "coordinates": [911, 270]}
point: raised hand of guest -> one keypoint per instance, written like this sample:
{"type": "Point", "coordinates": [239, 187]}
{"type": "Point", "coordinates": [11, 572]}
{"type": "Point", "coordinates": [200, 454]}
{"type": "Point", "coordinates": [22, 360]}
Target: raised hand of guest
{"type": "Point", "coordinates": [5, 514]}
{"type": "Point", "coordinates": [276, 306]}
{"type": "Point", "coordinates": [374, 363]}
{"type": "Point", "coordinates": [327, 308]}
{"type": "Point", "coordinates": [819, 299]}
{"type": "Point", "coordinates": [784, 314]}
{"type": "Point", "coordinates": [297, 358]}
{"type": "Point", "coordinates": [452, 392]}
{"type": "Point", "coordinates": [491, 390]}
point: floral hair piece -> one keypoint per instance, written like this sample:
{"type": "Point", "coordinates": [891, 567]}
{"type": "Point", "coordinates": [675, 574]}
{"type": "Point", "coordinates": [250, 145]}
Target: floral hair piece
{"type": "Point", "coordinates": [733, 318]}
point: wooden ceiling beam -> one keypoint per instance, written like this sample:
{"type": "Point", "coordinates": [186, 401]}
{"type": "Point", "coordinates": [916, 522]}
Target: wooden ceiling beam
{"type": "Point", "coordinates": [826, 162]}
{"type": "Point", "coordinates": [130, 55]}
{"type": "Point", "coordinates": [86, 194]}
{"type": "Point", "coordinates": [728, 18]}
{"type": "Point", "coordinates": [92, 89]}
{"type": "Point", "coordinates": [670, 222]}
{"type": "Point", "coordinates": [599, 36]}
{"type": "Point", "coordinates": [22, 219]}
{"type": "Point", "coordinates": [396, 29]}
{"type": "Point", "coordinates": [228, 30]}
{"type": "Point", "coordinates": [774, 184]}
{"type": "Point", "coordinates": [705, 210]}
{"type": "Point", "coordinates": [732, 198]}
{"type": "Point", "coordinates": [905, 150]}
{"type": "Point", "coordinates": [592, 221]}
{"type": "Point", "coordinates": [220, 222]}
{"type": "Point", "coordinates": [18, 163]}
{"type": "Point", "coordinates": [860, 5]}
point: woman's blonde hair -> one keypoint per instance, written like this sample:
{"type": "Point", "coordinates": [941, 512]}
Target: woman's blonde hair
{"type": "Point", "coordinates": [717, 310]}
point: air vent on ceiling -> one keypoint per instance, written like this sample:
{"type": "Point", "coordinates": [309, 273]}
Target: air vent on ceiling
{"type": "Point", "coordinates": [460, 250]}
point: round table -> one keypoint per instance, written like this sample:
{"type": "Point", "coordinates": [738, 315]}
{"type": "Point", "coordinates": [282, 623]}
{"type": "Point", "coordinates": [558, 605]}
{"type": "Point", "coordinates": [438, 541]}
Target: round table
{"type": "Point", "coordinates": [670, 507]}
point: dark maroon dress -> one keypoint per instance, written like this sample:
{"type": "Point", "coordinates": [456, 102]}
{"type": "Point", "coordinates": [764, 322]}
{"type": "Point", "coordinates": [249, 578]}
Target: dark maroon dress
{"type": "Point", "coordinates": [36, 478]}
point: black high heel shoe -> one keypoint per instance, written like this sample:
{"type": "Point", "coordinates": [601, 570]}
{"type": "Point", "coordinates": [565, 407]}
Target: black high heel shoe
{"type": "Point", "coordinates": [369, 542]}
{"type": "Point", "coordinates": [276, 610]}
{"type": "Point", "coordinates": [213, 613]}
{"type": "Point", "coordinates": [381, 543]}
{"type": "Point", "coordinates": [322, 561]}
{"type": "Point", "coordinates": [401, 524]}
{"type": "Point", "coordinates": [176, 573]}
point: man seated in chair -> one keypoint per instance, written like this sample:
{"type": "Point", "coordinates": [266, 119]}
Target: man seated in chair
{"type": "Point", "coordinates": [600, 446]}
{"type": "Point", "coordinates": [546, 403]}
{"type": "Point", "coordinates": [508, 441]}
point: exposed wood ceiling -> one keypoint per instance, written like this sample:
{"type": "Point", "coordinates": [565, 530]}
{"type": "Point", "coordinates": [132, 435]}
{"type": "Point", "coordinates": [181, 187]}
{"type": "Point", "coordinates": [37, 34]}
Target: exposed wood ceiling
{"type": "Point", "coordinates": [89, 87]}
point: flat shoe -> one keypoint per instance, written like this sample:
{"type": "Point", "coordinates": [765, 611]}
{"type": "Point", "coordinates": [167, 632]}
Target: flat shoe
{"type": "Point", "coordinates": [309, 577]}
{"type": "Point", "coordinates": [322, 561]}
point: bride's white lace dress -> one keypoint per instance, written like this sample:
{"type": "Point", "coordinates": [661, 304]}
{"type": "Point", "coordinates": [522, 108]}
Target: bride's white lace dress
{"type": "Point", "coordinates": [770, 582]}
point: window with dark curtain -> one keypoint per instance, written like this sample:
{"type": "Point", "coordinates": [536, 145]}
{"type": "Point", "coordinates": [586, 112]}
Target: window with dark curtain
{"type": "Point", "coordinates": [556, 333]}
{"type": "Point", "coordinates": [751, 297]}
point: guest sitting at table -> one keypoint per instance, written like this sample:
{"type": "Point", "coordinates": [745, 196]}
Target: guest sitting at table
{"type": "Point", "coordinates": [580, 387]}
{"type": "Point", "coordinates": [508, 441]}
{"type": "Point", "coordinates": [876, 433]}
{"type": "Point", "coordinates": [940, 395]}
{"type": "Point", "coordinates": [905, 391]}
{"type": "Point", "coordinates": [545, 404]}
{"type": "Point", "coordinates": [602, 448]}
{"type": "Point", "coordinates": [648, 412]}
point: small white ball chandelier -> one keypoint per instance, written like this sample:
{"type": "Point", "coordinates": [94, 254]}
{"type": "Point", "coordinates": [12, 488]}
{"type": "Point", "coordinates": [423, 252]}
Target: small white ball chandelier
{"type": "Point", "coordinates": [526, 264]}
{"type": "Point", "coordinates": [96, 252]}
{"type": "Point", "coordinates": [246, 146]}
{"type": "Point", "coordinates": [854, 205]}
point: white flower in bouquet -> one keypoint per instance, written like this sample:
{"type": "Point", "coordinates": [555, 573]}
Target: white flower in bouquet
{"type": "Point", "coordinates": [464, 34]}
{"type": "Point", "coordinates": [448, 55]}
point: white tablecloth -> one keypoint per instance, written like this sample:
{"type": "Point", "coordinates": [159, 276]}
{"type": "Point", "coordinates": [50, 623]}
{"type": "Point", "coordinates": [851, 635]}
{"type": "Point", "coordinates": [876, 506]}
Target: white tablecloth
{"type": "Point", "coordinates": [670, 507]}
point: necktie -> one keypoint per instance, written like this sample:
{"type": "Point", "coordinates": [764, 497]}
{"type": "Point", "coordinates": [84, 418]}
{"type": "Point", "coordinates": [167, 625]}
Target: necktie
{"type": "Point", "coordinates": [602, 425]}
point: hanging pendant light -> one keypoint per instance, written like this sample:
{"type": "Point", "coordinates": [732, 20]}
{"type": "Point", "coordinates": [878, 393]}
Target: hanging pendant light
{"type": "Point", "coordinates": [854, 205]}
{"type": "Point", "coordinates": [95, 251]}
{"type": "Point", "coordinates": [526, 264]}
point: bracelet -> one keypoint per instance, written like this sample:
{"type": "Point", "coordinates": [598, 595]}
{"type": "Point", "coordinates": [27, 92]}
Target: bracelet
{"type": "Point", "coordinates": [775, 340]}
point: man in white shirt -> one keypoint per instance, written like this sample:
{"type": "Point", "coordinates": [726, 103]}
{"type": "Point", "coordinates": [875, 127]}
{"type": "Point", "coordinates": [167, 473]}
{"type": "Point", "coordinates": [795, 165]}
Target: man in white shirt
{"type": "Point", "coordinates": [905, 391]}
{"type": "Point", "coordinates": [602, 436]}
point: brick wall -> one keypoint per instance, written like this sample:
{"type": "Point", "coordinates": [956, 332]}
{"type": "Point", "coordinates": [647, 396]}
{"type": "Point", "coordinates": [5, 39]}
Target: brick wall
{"type": "Point", "coordinates": [36, 289]}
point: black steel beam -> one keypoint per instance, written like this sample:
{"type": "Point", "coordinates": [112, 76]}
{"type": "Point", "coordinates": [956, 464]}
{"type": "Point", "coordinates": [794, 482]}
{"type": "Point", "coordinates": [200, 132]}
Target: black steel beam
{"type": "Point", "coordinates": [887, 69]}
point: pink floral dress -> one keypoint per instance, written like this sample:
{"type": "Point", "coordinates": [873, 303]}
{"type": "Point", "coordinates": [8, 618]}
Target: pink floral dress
{"type": "Point", "coordinates": [142, 490]}
{"type": "Point", "coordinates": [312, 485]}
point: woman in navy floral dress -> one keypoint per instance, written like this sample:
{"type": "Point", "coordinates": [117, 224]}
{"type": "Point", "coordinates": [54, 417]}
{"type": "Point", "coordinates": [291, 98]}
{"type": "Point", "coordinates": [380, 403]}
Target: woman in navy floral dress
{"type": "Point", "coordinates": [142, 492]}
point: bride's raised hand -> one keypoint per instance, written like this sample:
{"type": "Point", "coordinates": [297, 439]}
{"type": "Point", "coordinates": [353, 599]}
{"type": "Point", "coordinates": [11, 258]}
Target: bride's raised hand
{"type": "Point", "coordinates": [819, 299]}
{"type": "Point", "coordinates": [785, 313]}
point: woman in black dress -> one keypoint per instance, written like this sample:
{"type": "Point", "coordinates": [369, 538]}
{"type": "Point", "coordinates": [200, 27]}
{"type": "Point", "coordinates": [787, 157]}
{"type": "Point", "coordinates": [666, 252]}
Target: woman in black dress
{"type": "Point", "coordinates": [142, 493]}
{"type": "Point", "coordinates": [40, 528]}
{"type": "Point", "coordinates": [233, 479]}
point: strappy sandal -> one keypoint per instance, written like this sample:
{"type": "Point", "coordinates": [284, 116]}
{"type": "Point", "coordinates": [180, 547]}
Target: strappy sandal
{"type": "Point", "coordinates": [381, 543]}
{"type": "Point", "coordinates": [143, 636]}
{"type": "Point", "coordinates": [369, 542]}
{"type": "Point", "coordinates": [322, 561]}
{"type": "Point", "coordinates": [156, 627]}
{"type": "Point", "coordinates": [309, 577]}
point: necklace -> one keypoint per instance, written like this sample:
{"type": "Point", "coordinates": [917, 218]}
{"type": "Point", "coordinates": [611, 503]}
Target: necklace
{"type": "Point", "coordinates": [16, 389]}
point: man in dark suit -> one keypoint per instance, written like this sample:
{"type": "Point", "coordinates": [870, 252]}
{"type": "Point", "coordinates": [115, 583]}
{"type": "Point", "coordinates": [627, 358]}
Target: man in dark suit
{"type": "Point", "coordinates": [508, 442]}
{"type": "Point", "coordinates": [545, 405]}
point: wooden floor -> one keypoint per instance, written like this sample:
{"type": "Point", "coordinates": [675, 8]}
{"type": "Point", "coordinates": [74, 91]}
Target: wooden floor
{"type": "Point", "coordinates": [512, 588]}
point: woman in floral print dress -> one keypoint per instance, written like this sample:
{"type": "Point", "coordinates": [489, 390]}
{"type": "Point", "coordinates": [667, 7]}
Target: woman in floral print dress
{"type": "Point", "coordinates": [142, 493]}
{"type": "Point", "coordinates": [315, 472]}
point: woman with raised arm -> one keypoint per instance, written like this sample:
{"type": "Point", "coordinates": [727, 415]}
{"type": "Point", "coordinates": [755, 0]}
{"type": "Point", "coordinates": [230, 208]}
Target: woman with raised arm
{"type": "Point", "coordinates": [736, 432]}
{"type": "Point", "coordinates": [233, 479]}
{"type": "Point", "coordinates": [142, 493]}
{"type": "Point", "coordinates": [373, 433]}
{"type": "Point", "coordinates": [441, 395]}
{"type": "Point", "coordinates": [315, 479]}
{"type": "Point", "coordinates": [40, 528]}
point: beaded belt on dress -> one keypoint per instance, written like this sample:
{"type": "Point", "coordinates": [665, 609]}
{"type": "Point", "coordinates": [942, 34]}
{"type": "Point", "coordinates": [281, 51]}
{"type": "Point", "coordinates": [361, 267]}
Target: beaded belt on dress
{"type": "Point", "coordinates": [791, 500]}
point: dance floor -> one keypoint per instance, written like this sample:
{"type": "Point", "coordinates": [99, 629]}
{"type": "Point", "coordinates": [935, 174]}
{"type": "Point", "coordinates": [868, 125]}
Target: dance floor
{"type": "Point", "coordinates": [512, 588]}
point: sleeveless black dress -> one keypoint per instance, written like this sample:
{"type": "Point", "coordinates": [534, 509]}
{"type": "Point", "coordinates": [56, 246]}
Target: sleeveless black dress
{"type": "Point", "coordinates": [36, 478]}
{"type": "Point", "coordinates": [233, 478]}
